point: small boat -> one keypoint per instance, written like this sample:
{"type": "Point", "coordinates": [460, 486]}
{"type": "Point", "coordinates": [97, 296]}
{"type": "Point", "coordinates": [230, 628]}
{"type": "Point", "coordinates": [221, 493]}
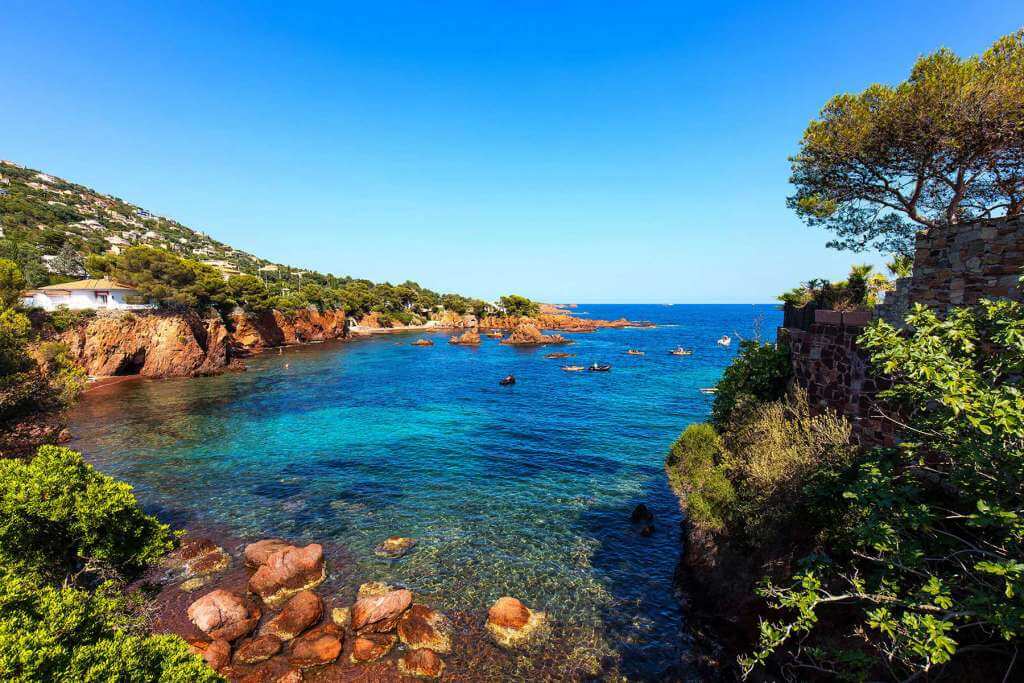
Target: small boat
{"type": "Point", "coordinates": [680, 351]}
{"type": "Point", "coordinates": [724, 340]}
{"type": "Point", "coordinates": [559, 354]}
{"type": "Point", "coordinates": [634, 352]}
{"type": "Point", "coordinates": [495, 335]}
{"type": "Point", "coordinates": [508, 381]}
{"type": "Point", "coordinates": [572, 368]}
{"type": "Point", "coordinates": [709, 390]}
{"type": "Point", "coordinates": [600, 367]}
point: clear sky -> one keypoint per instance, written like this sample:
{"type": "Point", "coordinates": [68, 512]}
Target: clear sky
{"type": "Point", "coordinates": [568, 151]}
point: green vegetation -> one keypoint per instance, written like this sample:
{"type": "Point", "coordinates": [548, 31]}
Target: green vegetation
{"type": "Point", "coordinates": [881, 562]}
{"type": "Point", "coordinates": [941, 147]}
{"type": "Point", "coordinates": [759, 372]}
{"type": "Point", "coordinates": [70, 539]}
{"type": "Point", "coordinates": [516, 305]}
{"type": "Point", "coordinates": [861, 290]}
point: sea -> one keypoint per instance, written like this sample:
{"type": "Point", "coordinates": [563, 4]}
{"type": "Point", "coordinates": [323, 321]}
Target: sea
{"type": "Point", "coordinates": [523, 490]}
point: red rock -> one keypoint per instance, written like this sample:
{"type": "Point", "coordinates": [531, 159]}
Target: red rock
{"type": "Point", "coordinates": [394, 547]}
{"type": "Point", "coordinates": [298, 614]}
{"type": "Point", "coordinates": [257, 553]}
{"type": "Point", "coordinates": [293, 676]}
{"type": "Point", "coordinates": [216, 654]}
{"type": "Point", "coordinates": [380, 613]}
{"type": "Point", "coordinates": [422, 627]}
{"type": "Point", "coordinates": [258, 649]}
{"type": "Point", "coordinates": [527, 334]}
{"type": "Point", "coordinates": [223, 615]}
{"type": "Point", "coordinates": [422, 664]}
{"type": "Point", "coordinates": [508, 613]}
{"type": "Point", "coordinates": [322, 645]}
{"type": "Point", "coordinates": [371, 647]}
{"type": "Point", "coordinates": [287, 572]}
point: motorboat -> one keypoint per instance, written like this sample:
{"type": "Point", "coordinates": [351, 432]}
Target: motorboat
{"type": "Point", "coordinates": [508, 381]}
{"type": "Point", "coordinates": [600, 367]}
{"type": "Point", "coordinates": [709, 390]}
{"type": "Point", "coordinates": [559, 354]}
{"type": "Point", "coordinates": [724, 340]}
{"type": "Point", "coordinates": [634, 352]}
{"type": "Point", "coordinates": [572, 368]}
{"type": "Point", "coordinates": [680, 351]}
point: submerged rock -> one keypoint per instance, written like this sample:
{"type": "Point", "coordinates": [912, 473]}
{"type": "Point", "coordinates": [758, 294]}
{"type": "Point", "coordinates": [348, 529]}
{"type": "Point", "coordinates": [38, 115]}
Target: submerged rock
{"type": "Point", "coordinates": [287, 572]}
{"type": "Point", "coordinates": [322, 645]}
{"type": "Point", "coordinates": [372, 589]}
{"type": "Point", "coordinates": [216, 654]}
{"type": "Point", "coordinates": [421, 663]}
{"type": "Point", "coordinates": [379, 614]}
{"type": "Point", "coordinates": [223, 615]}
{"type": "Point", "coordinates": [371, 647]}
{"type": "Point", "coordinates": [647, 530]}
{"type": "Point", "coordinates": [394, 547]}
{"type": "Point", "coordinates": [342, 616]}
{"type": "Point", "coordinates": [511, 623]}
{"type": "Point", "coordinates": [258, 649]}
{"type": "Point", "coordinates": [422, 627]}
{"type": "Point", "coordinates": [299, 613]}
{"type": "Point", "coordinates": [641, 514]}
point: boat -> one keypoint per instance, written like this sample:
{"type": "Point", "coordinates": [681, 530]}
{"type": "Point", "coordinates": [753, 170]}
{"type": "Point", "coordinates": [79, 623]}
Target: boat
{"type": "Point", "coordinates": [559, 354]}
{"type": "Point", "coordinates": [709, 390]}
{"type": "Point", "coordinates": [724, 340]}
{"type": "Point", "coordinates": [572, 368]}
{"type": "Point", "coordinates": [600, 367]}
{"type": "Point", "coordinates": [634, 352]}
{"type": "Point", "coordinates": [507, 381]}
{"type": "Point", "coordinates": [496, 335]}
{"type": "Point", "coordinates": [680, 351]}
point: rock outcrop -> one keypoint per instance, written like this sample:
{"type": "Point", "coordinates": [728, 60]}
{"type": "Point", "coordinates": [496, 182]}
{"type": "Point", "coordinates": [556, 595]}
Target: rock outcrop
{"type": "Point", "coordinates": [380, 613]}
{"type": "Point", "coordinates": [222, 615]}
{"type": "Point", "coordinates": [527, 334]}
{"type": "Point", "coordinates": [152, 345]}
{"type": "Point", "coordinates": [274, 328]}
{"type": "Point", "coordinates": [299, 613]}
{"type": "Point", "coordinates": [258, 649]}
{"type": "Point", "coordinates": [322, 645]}
{"type": "Point", "coordinates": [512, 624]}
{"type": "Point", "coordinates": [467, 338]}
{"type": "Point", "coordinates": [289, 571]}
{"type": "Point", "coordinates": [371, 647]}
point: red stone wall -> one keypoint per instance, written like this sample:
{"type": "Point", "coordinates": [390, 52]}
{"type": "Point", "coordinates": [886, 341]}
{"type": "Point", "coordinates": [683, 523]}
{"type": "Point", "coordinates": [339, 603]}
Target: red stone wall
{"type": "Point", "coordinates": [836, 374]}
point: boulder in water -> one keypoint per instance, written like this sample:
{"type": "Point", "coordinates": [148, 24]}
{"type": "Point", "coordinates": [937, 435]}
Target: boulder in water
{"type": "Point", "coordinates": [395, 547]}
{"type": "Point", "coordinates": [258, 649]}
{"type": "Point", "coordinates": [302, 611]}
{"type": "Point", "coordinates": [422, 627]}
{"type": "Point", "coordinates": [379, 614]}
{"type": "Point", "coordinates": [322, 645]}
{"type": "Point", "coordinates": [222, 615]}
{"type": "Point", "coordinates": [421, 664]}
{"type": "Point", "coordinates": [371, 647]}
{"type": "Point", "coordinates": [641, 514]}
{"type": "Point", "coordinates": [287, 572]}
{"type": "Point", "coordinates": [511, 623]}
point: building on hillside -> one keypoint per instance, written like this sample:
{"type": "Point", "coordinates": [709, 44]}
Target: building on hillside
{"type": "Point", "coordinates": [84, 294]}
{"type": "Point", "coordinates": [226, 268]}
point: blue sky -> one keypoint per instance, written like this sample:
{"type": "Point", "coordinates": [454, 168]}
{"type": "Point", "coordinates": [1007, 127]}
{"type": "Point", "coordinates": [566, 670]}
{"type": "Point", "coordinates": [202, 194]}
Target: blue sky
{"type": "Point", "coordinates": [568, 151]}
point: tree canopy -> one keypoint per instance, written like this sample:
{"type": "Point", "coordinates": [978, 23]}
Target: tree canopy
{"type": "Point", "coordinates": [945, 146]}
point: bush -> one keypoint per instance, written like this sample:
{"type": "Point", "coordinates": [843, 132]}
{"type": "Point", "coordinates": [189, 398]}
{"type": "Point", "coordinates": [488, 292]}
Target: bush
{"type": "Point", "coordinates": [759, 372]}
{"type": "Point", "coordinates": [63, 319]}
{"type": "Point", "coordinates": [925, 560]}
{"type": "Point", "coordinates": [695, 473]}
{"type": "Point", "coordinates": [59, 516]}
{"type": "Point", "coordinates": [57, 633]}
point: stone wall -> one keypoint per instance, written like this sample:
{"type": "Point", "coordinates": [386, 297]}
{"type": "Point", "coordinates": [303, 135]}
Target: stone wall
{"type": "Point", "coordinates": [893, 309]}
{"type": "Point", "coordinates": [960, 264]}
{"type": "Point", "coordinates": [836, 374]}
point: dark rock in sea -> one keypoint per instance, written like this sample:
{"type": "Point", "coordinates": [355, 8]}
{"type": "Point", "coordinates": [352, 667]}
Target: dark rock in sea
{"type": "Point", "coordinates": [224, 615]}
{"type": "Point", "coordinates": [641, 514]}
{"type": "Point", "coordinates": [647, 530]}
{"type": "Point", "coordinates": [298, 614]}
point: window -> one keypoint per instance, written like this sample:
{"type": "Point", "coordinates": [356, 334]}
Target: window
{"type": "Point", "coordinates": [101, 298]}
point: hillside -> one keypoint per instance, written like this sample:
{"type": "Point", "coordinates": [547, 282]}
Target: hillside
{"type": "Point", "coordinates": [48, 225]}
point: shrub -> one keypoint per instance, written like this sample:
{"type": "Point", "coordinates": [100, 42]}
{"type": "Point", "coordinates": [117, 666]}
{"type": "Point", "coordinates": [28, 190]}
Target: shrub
{"type": "Point", "coordinates": [58, 633]}
{"type": "Point", "coordinates": [925, 560]}
{"type": "Point", "coordinates": [759, 372]}
{"type": "Point", "coordinates": [65, 379]}
{"type": "Point", "coordinates": [695, 473]}
{"type": "Point", "coordinates": [63, 318]}
{"type": "Point", "coordinates": [59, 516]}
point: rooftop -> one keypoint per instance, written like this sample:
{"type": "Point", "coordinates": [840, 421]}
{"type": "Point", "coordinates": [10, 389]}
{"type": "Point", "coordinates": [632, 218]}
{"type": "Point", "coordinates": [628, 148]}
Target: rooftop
{"type": "Point", "coordinates": [101, 283]}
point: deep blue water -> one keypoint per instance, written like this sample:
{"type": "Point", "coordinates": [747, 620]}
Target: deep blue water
{"type": "Point", "coordinates": [522, 490]}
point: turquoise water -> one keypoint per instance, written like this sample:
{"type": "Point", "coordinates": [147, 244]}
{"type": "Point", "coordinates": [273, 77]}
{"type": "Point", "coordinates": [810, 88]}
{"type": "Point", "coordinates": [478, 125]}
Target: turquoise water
{"type": "Point", "coordinates": [524, 490]}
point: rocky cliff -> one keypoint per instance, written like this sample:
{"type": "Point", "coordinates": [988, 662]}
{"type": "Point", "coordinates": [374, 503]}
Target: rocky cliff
{"type": "Point", "coordinates": [185, 345]}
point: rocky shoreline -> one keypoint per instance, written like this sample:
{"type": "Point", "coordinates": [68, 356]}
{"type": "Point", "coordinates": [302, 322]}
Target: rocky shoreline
{"type": "Point", "coordinates": [263, 613]}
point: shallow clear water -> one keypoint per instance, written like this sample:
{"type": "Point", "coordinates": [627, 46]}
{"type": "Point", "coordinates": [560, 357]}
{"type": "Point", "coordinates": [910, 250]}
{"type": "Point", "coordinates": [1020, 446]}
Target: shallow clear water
{"type": "Point", "coordinates": [524, 490]}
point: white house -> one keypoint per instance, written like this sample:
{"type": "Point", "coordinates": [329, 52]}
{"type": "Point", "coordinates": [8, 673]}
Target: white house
{"type": "Point", "coordinates": [102, 293]}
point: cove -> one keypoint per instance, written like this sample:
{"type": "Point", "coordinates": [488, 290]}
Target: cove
{"type": "Point", "coordinates": [523, 490]}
